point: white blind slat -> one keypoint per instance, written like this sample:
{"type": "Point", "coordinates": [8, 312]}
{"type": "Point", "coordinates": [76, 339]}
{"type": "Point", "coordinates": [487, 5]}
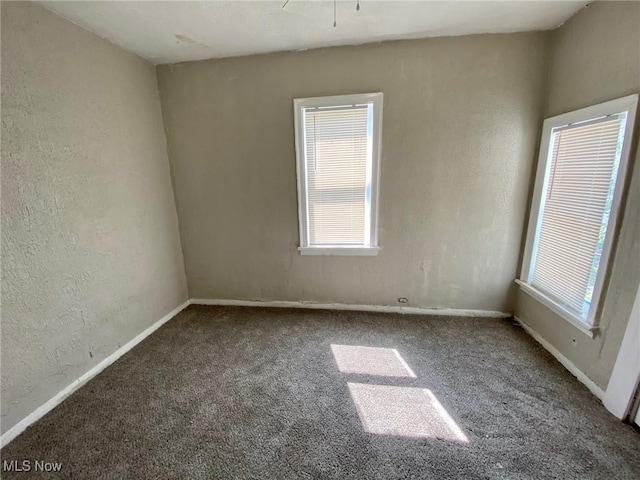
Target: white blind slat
{"type": "Point", "coordinates": [577, 199]}
{"type": "Point", "coordinates": [336, 148]}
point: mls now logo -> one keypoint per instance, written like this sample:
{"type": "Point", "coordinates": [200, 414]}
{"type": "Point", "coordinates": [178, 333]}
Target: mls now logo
{"type": "Point", "coordinates": [28, 466]}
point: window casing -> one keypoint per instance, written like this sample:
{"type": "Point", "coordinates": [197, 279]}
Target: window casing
{"type": "Point", "coordinates": [579, 182]}
{"type": "Point", "coordinates": [338, 170]}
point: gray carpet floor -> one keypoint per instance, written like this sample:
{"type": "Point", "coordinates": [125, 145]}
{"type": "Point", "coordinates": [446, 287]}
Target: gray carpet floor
{"type": "Point", "coordinates": [230, 392]}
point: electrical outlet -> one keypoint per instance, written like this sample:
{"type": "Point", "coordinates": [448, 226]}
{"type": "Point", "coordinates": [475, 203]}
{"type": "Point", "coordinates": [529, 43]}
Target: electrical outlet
{"type": "Point", "coordinates": [403, 300]}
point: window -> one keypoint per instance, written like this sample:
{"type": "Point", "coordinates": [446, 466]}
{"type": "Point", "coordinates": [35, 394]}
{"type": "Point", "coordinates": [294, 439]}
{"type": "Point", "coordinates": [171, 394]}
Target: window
{"type": "Point", "coordinates": [338, 165]}
{"type": "Point", "coordinates": [579, 181]}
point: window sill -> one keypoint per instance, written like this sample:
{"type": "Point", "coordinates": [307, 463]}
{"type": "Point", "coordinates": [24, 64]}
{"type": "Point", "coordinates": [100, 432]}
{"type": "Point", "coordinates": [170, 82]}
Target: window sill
{"type": "Point", "coordinates": [558, 309]}
{"type": "Point", "coordinates": [347, 251]}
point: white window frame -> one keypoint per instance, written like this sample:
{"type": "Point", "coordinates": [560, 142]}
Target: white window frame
{"type": "Point", "coordinates": [626, 104]}
{"type": "Point", "coordinates": [371, 248]}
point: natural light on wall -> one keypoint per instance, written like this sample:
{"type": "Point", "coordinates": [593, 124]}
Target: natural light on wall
{"type": "Point", "coordinates": [338, 147]}
{"type": "Point", "coordinates": [579, 183]}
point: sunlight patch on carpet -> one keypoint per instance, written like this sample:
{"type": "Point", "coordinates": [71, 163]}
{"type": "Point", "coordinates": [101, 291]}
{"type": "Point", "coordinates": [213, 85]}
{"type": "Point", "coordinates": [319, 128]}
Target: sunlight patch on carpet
{"type": "Point", "coordinates": [385, 362]}
{"type": "Point", "coordinates": [403, 411]}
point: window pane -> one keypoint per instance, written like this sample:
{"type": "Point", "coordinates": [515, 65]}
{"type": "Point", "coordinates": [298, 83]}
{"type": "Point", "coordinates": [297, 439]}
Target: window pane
{"type": "Point", "coordinates": [575, 209]}
{"type": "Point", "coordinates": [337, 161]}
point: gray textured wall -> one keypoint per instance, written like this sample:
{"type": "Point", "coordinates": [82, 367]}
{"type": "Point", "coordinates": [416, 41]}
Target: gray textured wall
{"type": "Point", "coordinates": [461, 117]}
{"type": "Point", "coordinates": [90, 246]}
{"type": "Point", "coordinates": [595, 57]}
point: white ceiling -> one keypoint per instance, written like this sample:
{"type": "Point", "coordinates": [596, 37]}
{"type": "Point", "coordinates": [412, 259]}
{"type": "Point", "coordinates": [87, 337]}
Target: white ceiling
{"type": "Point", "coordinates": [178, 31]}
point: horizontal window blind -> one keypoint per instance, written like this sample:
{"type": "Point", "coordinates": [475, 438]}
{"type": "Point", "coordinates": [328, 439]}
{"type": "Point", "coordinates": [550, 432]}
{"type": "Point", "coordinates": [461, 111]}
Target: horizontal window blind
{"type": "Point", "coordinates": [575, 209]}
{"type": "Point", "coordinates": [338, 162]}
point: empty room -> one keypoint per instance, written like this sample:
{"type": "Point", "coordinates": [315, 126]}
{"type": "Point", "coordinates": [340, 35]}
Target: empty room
{"type": "Point", "coordinates": [318, 239]}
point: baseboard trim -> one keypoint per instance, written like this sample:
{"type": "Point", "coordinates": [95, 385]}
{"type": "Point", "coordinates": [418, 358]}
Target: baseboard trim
{"type": "Point", "coordinates": [42, 410]}
{"type": "Point", "coordinates": [566, 363]}
{"type": "Point", "coordinates": [360, 308]}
